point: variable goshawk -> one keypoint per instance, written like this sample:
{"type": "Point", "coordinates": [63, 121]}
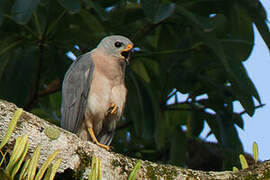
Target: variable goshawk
{"type": "Point", "coordinates": [94, 92]}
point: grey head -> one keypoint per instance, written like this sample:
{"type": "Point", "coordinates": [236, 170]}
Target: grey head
{"type": "Point", "coordinates": [116, 46]}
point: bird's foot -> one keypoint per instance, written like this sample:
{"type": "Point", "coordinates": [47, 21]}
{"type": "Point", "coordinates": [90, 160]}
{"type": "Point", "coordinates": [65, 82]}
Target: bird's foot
{"type": "Point", "coordinates": [112, 109]}
{"type": "Point", "coordinates": [103, 146]}
{"type": "Point", "coordinates": [92, 134]}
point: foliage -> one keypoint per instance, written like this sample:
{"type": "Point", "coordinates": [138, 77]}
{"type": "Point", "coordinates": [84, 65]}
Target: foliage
{"type": "Point", "coordinates": [243, 160]}
{"type": "Point", "coordinates": [193, 47]}
{"type": "Point", "coordinates": [255, 152]}
{"type": "Point", "coordinates": [11, 127]}
{"type": "Point", "coordinates": [14, 166]}
{"type": "Point", "coordinates": [134, 172]}
{"type": "Point", "coordinates": [95, 173]}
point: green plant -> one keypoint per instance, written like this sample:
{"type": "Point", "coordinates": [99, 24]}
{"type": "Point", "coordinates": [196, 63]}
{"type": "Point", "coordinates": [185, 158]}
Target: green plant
{"type": "Point", "coordinates": [134, 172]}
{"type": "Point", "coordinates": [20, 149]}
{"type": "Point", "coordinates": [243, 160]}
{"type": "Point", "coordinates": [95, 172]}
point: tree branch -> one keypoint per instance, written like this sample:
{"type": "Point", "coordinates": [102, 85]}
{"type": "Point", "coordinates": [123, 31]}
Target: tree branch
{"type": "Point", "coordinates": [76, 153]}
{"type": "Point", "coordinates": [256, 107]}
{"type": "Point", "coordinates": [51, 88]}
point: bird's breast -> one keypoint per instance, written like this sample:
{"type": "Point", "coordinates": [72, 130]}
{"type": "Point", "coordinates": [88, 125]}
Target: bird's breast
{"type": "Point", "coordinates": [103, 92]}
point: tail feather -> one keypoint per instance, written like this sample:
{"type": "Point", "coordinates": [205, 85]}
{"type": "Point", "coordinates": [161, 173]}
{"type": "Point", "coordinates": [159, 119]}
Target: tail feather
{"type": "Point", "coordinates": [106, 138]}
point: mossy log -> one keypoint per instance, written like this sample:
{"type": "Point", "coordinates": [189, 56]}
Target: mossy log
{"type": "Point", "coordinates": [76, 153]}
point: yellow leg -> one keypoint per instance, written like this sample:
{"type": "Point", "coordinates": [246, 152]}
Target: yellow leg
{"type": "Point", "coordinates": [112, 109]}
{"type": "Point", "coordinates": [92, 134]}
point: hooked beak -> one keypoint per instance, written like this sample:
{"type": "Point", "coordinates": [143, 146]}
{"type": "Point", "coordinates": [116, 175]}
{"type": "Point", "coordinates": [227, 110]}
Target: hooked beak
{"type": "Point", "coordinates": [125, 53]}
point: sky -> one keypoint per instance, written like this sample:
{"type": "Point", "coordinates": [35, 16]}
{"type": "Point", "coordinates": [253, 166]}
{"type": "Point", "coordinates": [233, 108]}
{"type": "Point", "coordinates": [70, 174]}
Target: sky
{"type": "Point", "coordinates": [256, 128]}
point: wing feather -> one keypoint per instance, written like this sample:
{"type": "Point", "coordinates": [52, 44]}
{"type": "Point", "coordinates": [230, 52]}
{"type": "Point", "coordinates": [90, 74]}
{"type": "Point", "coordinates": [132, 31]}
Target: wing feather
{"type": "Point", "coordinates": [75, 90]}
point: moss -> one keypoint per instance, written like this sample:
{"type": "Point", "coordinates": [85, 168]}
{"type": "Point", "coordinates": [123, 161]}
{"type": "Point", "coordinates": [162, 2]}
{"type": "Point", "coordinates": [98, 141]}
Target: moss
{"type": "Point", "coordinates": [153, 172]}
{"type": "Point", "coordinates": [52, 133]}
{"type": "Point", "coordinates": [85, 161]}
{"type": "Point", "coordinates": [115, 163]}
{"type": "Point", "coordinates": [266, 175]}
{"type": "Point", "coordinates": [126, 165]}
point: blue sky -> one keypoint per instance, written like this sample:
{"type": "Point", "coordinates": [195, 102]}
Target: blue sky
{"type": "Point", "coordinates": [257, 128]}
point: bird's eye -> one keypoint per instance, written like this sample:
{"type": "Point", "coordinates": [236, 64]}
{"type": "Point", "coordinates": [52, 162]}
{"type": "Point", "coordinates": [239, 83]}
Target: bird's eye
{"type": "Point", "coordinates": [117, 44]}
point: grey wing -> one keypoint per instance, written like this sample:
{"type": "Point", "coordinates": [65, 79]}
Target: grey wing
{"type": "Point", "coordinates": [75, 90]}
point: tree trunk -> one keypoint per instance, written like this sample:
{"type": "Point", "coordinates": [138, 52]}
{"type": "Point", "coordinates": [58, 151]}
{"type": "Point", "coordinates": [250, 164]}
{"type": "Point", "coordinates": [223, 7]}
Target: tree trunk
{"type": "Point", "coordinates": [76, 154]}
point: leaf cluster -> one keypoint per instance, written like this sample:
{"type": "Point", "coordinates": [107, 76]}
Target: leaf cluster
{"type": "Point", "coordinates": [21, 167]}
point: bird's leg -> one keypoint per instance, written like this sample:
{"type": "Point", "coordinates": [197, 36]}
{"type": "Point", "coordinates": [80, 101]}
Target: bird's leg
{"type": "Point", "coordinates": [112, 109]}
{"type": "Point", "coordinates": [92, 134]}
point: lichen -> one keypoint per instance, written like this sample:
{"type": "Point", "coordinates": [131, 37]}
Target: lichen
{"type": "Point", "coordinates": [266, 175]}
{"type": "Point", "coordinates": [163, 171]}
{"type": "Point", "coordinates": [85, 161]}
{"type": "Point", "coordinates": [52, 133]}
{"type": "Point", "coordinates": [115, 163]}
{"type": "Point", "coordinates": [126, 165]}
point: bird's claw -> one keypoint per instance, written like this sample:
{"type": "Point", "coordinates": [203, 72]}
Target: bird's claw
{"type": "Point", "coordinates": [103, 146]}
{"type": "Point", "coordinates": [112, 109]}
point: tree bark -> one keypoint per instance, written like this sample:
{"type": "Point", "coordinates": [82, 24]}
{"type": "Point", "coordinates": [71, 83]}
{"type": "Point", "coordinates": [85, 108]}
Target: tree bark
{"type": "Point", "coordinates": [76, 153]}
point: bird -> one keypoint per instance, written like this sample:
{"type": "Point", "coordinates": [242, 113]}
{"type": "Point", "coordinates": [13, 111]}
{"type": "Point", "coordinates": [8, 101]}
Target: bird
{"type": "Point", "coordinates": [94, 91]}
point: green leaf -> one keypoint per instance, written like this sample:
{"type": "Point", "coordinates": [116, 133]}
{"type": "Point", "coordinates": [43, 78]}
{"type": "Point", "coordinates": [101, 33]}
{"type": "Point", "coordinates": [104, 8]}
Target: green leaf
{"type": "Point", "coordinates": [22, 10]}
{"type": "Point", "coordinates": [1, 17]}
{"type": "Point", "coordinates": [189, 17]}
{"type": "Point", "coordinates": [16, 153]}
{"type": "Point", "coordinates": [4, 174]}
{"type": "Point", "coordinates": [228, 133]}
{"type": "Point", "coordinates": [140, 69]}
{"type": "Point", "coordinates": [245, 99]}
{"type": "Point", "coordinates": [178, 147]}
{"type": "Point", "coordinates": [95, 172]}
{"type": "Point", "coordinates": [211, 121]}
{"type": "Point", "coordinates": [53, 170]}
{"type": "Point", "coordinates": [73, 6]}
{"type": "Point", "coordinates": [22, 78]}
{"type": "Point", "coordinates": [241, 80]}
{"type": "Point", "coordinates": [235, 169]}
{"type": "Point", "coordinates": [157, 11]}
{"type": "Point", "coordinates": [134, 172]}
{"type": "Point", "coordinates": [216, 46]}
{"type": "Point", "coordinates": [195, 124]}
{"type": "Point", "coordinates": [184, 80]}
{"type": "Point", "coordinates": [3, 157]}
{"type": "Point", "coordinates": [257, 12]}
{"type": "Point", "coordinates": [31, 170]}
{"type": "Point", "coordinates": [11, 127]}
{"type": "Point", "coordinates": [178, 117]}
{"type": "Point", "coordinates": [255, 152]}
{"type": "Point", "coordinates": [243, 161]}
{"type": "Point", "coordinates": [9, 46]}
{"type": "Point", "coordinates": [23, 172]}
{"type": "Point", "coordinates": [242, 34]}
{"type": "Point", "coordinates": [150, 7]}
{"type": "Point", "coordinates": [238, 120]}
{"type": "Point", "coordinates": [45, 165]}
{"type": "Point", "coordinates": [164, 11]}
{"type": "Point", "coordinates": [19, 155]}
{"type": "Point", "coordinates": [99, 9]}
{"type": "Point", "coordinates": [140, 106]}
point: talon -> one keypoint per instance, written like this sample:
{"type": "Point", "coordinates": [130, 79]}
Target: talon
{"type": "Point", "coordinates": [92, 134]}
{"type": "Point", "coordinates": [112, 109]}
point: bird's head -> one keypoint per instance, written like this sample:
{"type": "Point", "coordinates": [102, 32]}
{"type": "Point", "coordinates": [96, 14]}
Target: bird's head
{"type": "Point", "coordinates": [117, 46]}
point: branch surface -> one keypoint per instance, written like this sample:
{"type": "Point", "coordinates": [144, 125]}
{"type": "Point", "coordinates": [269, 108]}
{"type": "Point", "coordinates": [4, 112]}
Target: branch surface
{"type": "Point", "coordinates": [76, 154]}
